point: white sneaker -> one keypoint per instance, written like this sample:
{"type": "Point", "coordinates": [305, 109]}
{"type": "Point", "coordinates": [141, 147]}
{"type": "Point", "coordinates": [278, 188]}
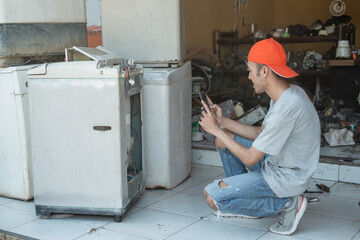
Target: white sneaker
{"type": "Point", "coordinates": [232, 215]}
{"type": "Point", "coordinates": [289, 217]}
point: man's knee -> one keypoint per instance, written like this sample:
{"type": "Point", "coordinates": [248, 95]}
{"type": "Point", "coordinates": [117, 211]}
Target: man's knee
{"type": "Point", "coordinates": [222, 184]}
{"type": "Point", "coordinates": [210, 201]}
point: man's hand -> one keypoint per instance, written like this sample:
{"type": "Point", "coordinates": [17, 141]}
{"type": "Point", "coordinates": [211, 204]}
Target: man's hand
{"type": "Point", "coordinates": [216, 111]}
{"type": "Point", "coordinates": [208, 121]}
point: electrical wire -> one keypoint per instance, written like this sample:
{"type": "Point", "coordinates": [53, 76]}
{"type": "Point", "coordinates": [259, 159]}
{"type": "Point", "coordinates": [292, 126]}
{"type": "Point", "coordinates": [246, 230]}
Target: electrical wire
{"type": "Point", "coordinates": [236, 7]}
{"type": "Point", "coordinates": [127, 73]}
{"type": "Point", "coordinates": [131, 159]}
{"type": "Point", "coordinates": [207, 76]}
{"type": "Point", "coordinates": [135, 133]}
{"type": "Point", "coordinates": [136, 113]}
{"type": "Point", "coordinates": [138, 104]}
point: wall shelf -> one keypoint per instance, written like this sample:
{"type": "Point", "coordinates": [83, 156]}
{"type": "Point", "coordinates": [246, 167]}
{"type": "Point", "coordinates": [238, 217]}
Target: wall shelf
{"type": "Point", "coordinates": [294, 39]}
{"type": "Point", "coordinates": [322, 72]}
{"type": "Point", "coordinates": [227, 39]}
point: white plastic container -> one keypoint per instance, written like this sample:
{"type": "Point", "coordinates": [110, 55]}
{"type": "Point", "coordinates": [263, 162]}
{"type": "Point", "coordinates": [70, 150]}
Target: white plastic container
{"type": "Point", "coordinates": [15, 155]}
{"type": "Point", "coordinates": [86, 138]}
{"type": "Point", "coordinates": [151, 32]}
{"type": "Point", "coordinates": [167, 125]}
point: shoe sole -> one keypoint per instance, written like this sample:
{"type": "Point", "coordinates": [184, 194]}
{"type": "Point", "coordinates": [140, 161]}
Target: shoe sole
{"type": "Point", "coordinates": [230, 215]}
{"type": "Point", "coordinates": [299, 215]}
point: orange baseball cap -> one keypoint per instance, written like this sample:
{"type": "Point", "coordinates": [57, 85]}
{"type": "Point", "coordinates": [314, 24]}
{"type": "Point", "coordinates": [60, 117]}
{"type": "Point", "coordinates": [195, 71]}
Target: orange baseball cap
{"type": "Point", "coordinates": [272, 54]}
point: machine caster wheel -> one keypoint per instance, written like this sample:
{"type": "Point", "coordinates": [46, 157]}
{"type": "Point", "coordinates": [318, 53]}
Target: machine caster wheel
{"type": "Point", "coordinates": [118, 218]}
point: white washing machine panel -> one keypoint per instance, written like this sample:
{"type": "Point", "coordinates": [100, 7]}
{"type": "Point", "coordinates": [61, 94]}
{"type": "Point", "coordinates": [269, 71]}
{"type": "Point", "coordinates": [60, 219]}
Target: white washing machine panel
{"type": "Point", "coordinates": [167, 125]}
{"type": "Point", "coordinates": [15, 155]}
{"type": "Point", "coordinates": [151, 32]}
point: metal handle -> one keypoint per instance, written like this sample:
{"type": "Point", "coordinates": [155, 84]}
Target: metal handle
{"type": "Point", "coordinates": [102, 128]}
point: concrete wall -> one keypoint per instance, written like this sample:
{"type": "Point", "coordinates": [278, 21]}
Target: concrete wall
{"type": "Point", "coordinates": [203, 16]}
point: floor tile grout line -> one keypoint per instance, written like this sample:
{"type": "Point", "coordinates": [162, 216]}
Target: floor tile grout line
{"type": "Point", "coordinates": [183, 228]}
{"type": "Point", "coordinates": [177, 192]}
{"type": "Point", "coordinates": [321, 196]}
{"type": "Point", "coordinates": [160, 200]}
{"type": "Point", "coordinates": [2, 204]}
{"type": "Point", "coordinates": [132, 235]}
{"type": "Point", "coordinates": [232, 224]}
{"type": "Point", "coordinates": [11, 229]}
{"type": "Point", "coordinates": [19, 209]}
{"type": "Point", "coordinates": [358, 232]}
{"type": "Point", "coordinates": [80, 236]}
{"type": "Point", "coordinates": [197, 220]}
{"type": "Point", "coordinates": [238, 226]}
{"type": "Point", "coordinates": [336, 217]}
{"type": "Point", "coordinates": [86, 224]}
{"type": "Point", "coordinates": [49, 219]}
{"type": "Point", "coordinates": [263, 235]}
{"type": "Point", "coordinates": [206, 181]}
{"type": "Point", "coordinates": [175, 213]}
{"type": "Point", "coordinates": [193, 194]}
{"type": "Point", "coordinates": [126, 214]}
{"type": "Point", "coordinates": [97, 228]}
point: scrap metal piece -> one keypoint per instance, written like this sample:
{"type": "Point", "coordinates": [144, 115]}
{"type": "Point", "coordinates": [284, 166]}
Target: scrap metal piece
{"type": "Point", "coordinates": [313, 199]}
{"type": "Point", "coordinates": [252, 116]}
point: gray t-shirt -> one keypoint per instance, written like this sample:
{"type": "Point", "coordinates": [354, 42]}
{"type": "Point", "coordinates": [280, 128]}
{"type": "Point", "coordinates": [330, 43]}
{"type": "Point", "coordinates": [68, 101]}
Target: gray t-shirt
{"type": "Point", "coordinates": [291, 137]}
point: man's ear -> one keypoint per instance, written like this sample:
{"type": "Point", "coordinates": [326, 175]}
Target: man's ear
{"type": "Point", "coordinates": [265, 71]}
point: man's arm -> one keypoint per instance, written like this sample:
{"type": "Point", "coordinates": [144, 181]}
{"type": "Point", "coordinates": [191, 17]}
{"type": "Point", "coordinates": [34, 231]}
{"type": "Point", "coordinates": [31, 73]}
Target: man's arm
{"type": "Point", "coordinates": [246, 131]}
{"type": "Point", "coordinates": [249, 156]}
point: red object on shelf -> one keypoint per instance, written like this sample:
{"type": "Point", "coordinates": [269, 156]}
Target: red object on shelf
{"type": "Point", "coordinates": [347, 125]}
{"type": "Point", "coordinates": [94, 35]}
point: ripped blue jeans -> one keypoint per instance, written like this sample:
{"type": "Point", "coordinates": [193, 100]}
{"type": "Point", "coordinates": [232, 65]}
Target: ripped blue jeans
{"type": "Point", "coordinates": [247, 192]}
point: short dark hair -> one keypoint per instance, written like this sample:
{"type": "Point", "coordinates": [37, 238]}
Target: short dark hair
{"type": "Point", "coordinates": [259, 66]}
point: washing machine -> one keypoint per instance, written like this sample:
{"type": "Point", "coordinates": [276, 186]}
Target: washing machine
{"type": "Point", "coordinates": [86, 135]}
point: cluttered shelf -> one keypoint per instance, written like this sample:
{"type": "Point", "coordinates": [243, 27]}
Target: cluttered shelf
{"type": "Point", "coordinates": [322, 72]}
{"type": "Point", "coordinates": [219, 95]}
{"type": "Point", "coordinates": [306, 63]}
{"type": "Point", "coordinates": [292, 39]}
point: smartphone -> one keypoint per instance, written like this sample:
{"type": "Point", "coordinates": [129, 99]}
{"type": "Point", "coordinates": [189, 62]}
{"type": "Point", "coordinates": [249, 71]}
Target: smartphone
{"type": "Point", "coordinates": [203, 97]}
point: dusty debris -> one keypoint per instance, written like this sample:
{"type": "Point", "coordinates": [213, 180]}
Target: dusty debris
{"type": "Point", "coordinates": [93, 230]}
{"type": "Point", "coordinates": [323, 187]}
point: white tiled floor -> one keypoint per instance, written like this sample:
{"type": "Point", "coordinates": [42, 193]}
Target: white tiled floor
{"type": "Point", "coordinates": [181, 214]}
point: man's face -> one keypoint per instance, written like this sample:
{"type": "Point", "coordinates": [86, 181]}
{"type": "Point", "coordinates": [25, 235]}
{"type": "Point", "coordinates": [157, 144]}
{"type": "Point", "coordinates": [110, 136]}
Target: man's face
{"type": "Point", "coordinates": [256, 77]}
